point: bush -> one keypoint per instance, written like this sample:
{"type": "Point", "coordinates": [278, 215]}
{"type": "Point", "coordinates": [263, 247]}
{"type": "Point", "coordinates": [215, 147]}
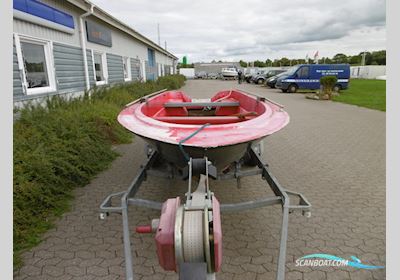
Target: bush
{"type": "Point", "coordinates": [327, 84]}
{"type": "Point", "coordinates": [174, 82]}
{"type": "Point", "coordinates": [62, 146]}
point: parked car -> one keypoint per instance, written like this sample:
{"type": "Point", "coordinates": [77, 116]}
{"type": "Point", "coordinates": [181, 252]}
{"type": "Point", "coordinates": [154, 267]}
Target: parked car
{"type": "Point", "coordinates": [201, 75]}
{"type": "Point", "coordinates": [213, 76]}
{"type": "Point", "coordinates": [261, 78]}
{"type": "Point", "coordinates": [306, 76]}
{"type": "Point", "coordinates": [271, 81]}
{"type": "Point", "coordinates": [274, 72]}
{"type": "Point", "coordinates": [249, 77]}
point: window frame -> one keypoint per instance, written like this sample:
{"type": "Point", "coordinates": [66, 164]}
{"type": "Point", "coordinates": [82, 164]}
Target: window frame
{"type": "Point", "coordinates": [49, 61]}
{"type": "Point", "coordinates": [127, 60]}
{"type": "Point", "coordinates": [302, 70]}
{"type": "Point", "coordinates": [151, 57]}
{"type": "Point", "coordinates": [103, 66]}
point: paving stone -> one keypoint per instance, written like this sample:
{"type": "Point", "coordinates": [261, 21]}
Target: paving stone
{"type": "Point", "coordinates": [338, 275]}
{"type": "Point", "coordinates": [247, 275]}
{"type": "Point", "coordinates": [314, 275]}
{"type": "Point", "coordinates": [53, 271]}
{"type": "Point", "coordinates": [294, 275]}
{"type": "Point", "coordinates": [234, 269]}
{"type": "Point", "coordinates": [238, 260]}
{"type": "Point", "coordinates": [261, 259]}
{"type": "Point", "coordinates": [361, 275]}
{"type": "Point", "coordinates": [30, 270]}
{"type": "Point", "coordinates": [75, 270]}
{"type": "Point", "coordinates": [117, 269]}
{"type": "Point", "coordinates": [85, 254]}
{"type": "Point", "coordinates": [65, 255]}
{"type": "Point", "coordinates": [97, 270]}
{"type": "Point", "coordinates": [253, 268]}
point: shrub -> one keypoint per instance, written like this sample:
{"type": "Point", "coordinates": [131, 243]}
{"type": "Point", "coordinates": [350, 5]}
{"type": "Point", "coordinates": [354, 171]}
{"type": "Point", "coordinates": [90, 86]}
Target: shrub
{"type": "Point", "coordinates": [62, 146]}
{"type": "Point", "coordinates": [327, 84]}
{"type": "Point", "coordinates": [172, 82]}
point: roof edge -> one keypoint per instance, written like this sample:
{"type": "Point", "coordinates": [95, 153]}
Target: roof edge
{"type": "Point", "coordinates": [106, 17]}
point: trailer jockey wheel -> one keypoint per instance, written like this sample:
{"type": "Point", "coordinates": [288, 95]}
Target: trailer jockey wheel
{"type": "Point", "coordinates": [189, 236]}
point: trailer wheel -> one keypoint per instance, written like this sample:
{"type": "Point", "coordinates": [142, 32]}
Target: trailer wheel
{"type": "Point", "coordinates": [292, 88]}
{"type": "Point", "coordinates": [337, 88]}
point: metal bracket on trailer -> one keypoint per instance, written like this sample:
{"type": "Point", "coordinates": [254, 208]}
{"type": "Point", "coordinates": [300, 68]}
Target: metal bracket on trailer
{"type": "Point", "coordinates": [282, 196]}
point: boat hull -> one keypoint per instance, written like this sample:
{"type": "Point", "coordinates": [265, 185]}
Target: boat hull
{"type": "Point", "coordinates": [230, 74]}
{"type": "Point", "coordinates": [221, 157]}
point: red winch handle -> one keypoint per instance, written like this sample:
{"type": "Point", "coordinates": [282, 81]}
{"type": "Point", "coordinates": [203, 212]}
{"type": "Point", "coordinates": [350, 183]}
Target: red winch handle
{"type": "Point", "coordinates": [144, 229]}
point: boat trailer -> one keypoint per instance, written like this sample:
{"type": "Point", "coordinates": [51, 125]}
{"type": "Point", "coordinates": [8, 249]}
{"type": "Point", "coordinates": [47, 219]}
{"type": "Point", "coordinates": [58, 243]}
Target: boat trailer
{"type": "Point", "coordinates": [188, 235]}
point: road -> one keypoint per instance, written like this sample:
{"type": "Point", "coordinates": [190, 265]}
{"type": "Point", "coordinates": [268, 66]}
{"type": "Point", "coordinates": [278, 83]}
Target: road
{"type": "Point", "coordinates": [331, 152]}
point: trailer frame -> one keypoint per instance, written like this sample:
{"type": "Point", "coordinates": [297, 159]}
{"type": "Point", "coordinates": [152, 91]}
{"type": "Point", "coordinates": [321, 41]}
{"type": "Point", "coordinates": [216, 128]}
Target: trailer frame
{"type": "Point", "coordinates": [282, 197]}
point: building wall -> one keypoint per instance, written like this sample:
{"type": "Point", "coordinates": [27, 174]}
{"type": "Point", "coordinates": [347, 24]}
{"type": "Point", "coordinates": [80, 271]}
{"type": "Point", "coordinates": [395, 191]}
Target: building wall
{"type": "Point", "coordinates": [367, 71]}
{"type": "Point", "coordinates": [151, 71]}
{"type": "Point", "coordinates": [214, 67]}
{"type": "Point", "coordinates": [68, 58]}
{"type": "Point", "coordinates": [115, 68]}
{"type": "Point", "coordinates": [122, 43]}
{"type": "Point", "coordinates": [38, 31]}
{"type": "Point", "coordinates": [187, 72]}
{"type": "Point", "coordinates": [135, 69]}
{"type": "Point", "coordinates": [68, 63]}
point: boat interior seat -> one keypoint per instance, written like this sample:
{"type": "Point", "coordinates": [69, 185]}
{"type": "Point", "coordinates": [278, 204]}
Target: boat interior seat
{"type": "Point", "coordinates": [176, 111]}
{"type": "Point", "coordinates": [227, 110]}
{"type": "Point", "coordinates": [203, 120]}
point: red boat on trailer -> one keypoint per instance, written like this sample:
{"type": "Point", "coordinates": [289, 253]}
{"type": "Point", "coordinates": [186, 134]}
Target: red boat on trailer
{"type": "Point", "coordinates": [200, 139]}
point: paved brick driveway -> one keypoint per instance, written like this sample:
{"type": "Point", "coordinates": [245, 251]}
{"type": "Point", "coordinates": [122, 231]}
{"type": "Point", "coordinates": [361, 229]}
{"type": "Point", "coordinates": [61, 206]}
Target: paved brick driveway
{"type": "Point", "coordinates": [333, 153]}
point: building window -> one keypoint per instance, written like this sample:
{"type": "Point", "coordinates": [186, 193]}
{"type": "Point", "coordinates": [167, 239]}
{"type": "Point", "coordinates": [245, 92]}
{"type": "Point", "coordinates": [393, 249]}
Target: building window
{"type": "Point", "coordinates": [100, 64]}
{"type": "Point", "coordinates": [151, 57]}
{"type": "Point", "coordinates": [37, 65]}
{"type": "Point", "coordinates": [127, 68]}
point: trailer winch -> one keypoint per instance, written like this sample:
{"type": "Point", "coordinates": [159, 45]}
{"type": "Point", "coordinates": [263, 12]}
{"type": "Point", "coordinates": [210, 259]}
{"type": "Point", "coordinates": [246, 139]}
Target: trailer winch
{"type": "Point", "coordinates": [189, 236]}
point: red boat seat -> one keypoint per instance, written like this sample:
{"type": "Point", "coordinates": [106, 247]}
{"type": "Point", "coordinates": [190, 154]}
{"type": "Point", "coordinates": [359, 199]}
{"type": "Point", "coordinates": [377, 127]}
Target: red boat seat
{"type": "Point", "coordinates": [205, 119]}
{"type": "Point", "coordinates": [176, 111]}
{"type": "Point", "coordinates": [227, 110]}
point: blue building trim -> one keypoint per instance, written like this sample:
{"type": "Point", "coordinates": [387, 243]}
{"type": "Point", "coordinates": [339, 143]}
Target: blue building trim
{"type": "Point", "coordinates": [36, 8]}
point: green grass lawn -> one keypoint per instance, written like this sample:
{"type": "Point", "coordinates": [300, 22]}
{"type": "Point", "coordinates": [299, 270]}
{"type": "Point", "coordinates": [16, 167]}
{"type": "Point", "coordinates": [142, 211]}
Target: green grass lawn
{"type": "Point", "coordinates": [365, 93]}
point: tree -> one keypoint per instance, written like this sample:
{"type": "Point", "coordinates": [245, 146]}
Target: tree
{"type": "Point", "coordinates": [181, 65]}
{"type": "Point", "coordinates": [379, 57]}
{"type": "Point", "coordinates": [242, 63]}
{"type": "Point", "coordinates": [355, 60]}
{"type": "Point", "coordinates": [258, 63]}
{"type": "Point", "coordinates": [340, 58]}
{"type": "Point", "coordinates": [285, 61]}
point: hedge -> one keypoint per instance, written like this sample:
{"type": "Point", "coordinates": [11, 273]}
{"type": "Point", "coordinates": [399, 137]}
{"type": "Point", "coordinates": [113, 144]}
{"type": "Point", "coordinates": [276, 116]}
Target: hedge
{"type": "Point", "coordinates": [61, 146]}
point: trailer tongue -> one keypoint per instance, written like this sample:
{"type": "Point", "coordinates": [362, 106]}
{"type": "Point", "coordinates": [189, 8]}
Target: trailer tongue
{"type": "Point", "coordinates": [188, 234]}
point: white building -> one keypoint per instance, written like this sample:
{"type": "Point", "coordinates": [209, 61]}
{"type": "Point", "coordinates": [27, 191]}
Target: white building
{"type": "Point", "coordinates": [67, 47]}
{"type": "Point", "coordinates": [367, 71]}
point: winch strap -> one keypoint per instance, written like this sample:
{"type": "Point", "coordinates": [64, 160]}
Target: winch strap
{"type": "Point", "coordinates": [187, 138]}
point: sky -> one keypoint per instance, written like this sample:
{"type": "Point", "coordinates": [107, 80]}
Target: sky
{"type": "Point", "coordinates": [251, 30]}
